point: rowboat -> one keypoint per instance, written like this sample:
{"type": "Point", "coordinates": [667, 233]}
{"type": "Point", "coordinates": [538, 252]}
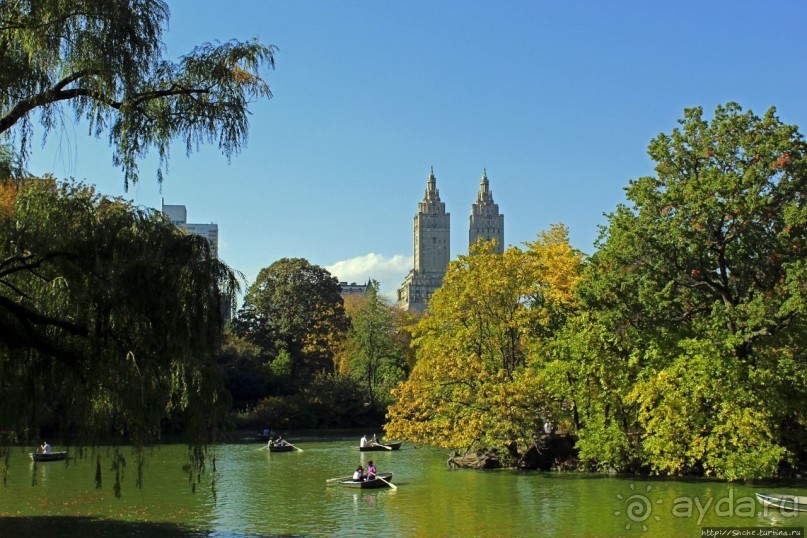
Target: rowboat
{"type": "Point", "coordinates": [790, 503]}
{"type": "Point", "coordinates": [381, 447]}
{"type": "Point", "coordinates": [49, 456]}
{"type": "Point", "coordinates": [368, 484]}
{"type": "Point", "coordinates": [284, 448]}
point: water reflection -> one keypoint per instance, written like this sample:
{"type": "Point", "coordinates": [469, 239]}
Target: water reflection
{"type": "Point", "coordinates": [262, 494]}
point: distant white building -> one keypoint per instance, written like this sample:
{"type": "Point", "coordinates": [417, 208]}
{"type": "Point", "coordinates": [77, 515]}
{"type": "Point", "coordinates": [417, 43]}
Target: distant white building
{"type": "Point", "coordinates": [179, 218]}
{"type": "Point", "coordinates": [177, 213]}
{"type": "Point", "coordinates": [353, 288]}
{"type": "Point", "coordinates": [209, 232]}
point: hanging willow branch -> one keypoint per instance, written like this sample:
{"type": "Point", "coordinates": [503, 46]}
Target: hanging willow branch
{"type": "Point", "coordinates": [103, 60]}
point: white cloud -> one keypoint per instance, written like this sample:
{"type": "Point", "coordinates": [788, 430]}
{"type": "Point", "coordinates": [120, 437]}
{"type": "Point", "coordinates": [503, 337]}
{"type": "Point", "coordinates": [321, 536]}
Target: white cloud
{"type": "Point", "coordinates": [389, 272]}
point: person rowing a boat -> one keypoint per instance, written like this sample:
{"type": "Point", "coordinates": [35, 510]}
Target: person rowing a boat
{"type": "Point", "coordinates": [371, 471]}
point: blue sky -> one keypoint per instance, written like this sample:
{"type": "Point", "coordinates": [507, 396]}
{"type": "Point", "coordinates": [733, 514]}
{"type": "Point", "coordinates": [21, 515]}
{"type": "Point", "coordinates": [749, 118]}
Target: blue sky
{"type": "Point", "coordinates": [557, 100]}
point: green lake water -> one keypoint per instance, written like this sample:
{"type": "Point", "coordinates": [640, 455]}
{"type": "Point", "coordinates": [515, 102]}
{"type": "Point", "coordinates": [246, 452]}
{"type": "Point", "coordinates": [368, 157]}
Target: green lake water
{"type": "Point", "coordinates": [258, 493]}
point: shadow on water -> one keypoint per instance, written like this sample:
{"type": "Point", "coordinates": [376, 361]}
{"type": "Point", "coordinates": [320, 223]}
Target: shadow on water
{"type": "Point", "coordinates": [81, 527]}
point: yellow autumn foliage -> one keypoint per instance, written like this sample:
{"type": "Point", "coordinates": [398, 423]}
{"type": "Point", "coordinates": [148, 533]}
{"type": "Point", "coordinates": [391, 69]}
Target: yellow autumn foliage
{"type": "Point", "coordinates": [473, 383]}
{"type": "Point", "coordinates": [8, 197]}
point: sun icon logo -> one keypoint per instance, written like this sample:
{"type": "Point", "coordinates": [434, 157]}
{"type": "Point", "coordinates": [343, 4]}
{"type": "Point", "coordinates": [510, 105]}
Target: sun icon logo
{"type": "Point", "coordinates": [638, 507]}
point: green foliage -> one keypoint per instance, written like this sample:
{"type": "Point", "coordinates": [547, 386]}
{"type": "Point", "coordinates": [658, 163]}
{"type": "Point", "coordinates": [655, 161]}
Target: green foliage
{"type": "Point", "coordinates": [697, 295]}
{"type": "Point", "coordinates": [103, 61]}
{"type": "Point", "coordinates": [698, 415]}
{"type": "Point", "coordinates": [605, 445]}
{"type": "Point", "coordinates": [10, 165]}
{"type": "Point", "coordinates": [721, 228]}
{"type": "Point", "coordinates": [375, 358]}
{"type": "Point", "coordinates": [109, 316]}
{"type": "Point", "coordinates": [281, 369]}
{"type": "Point", "coordinates": [295, 307]}
{"type": "Point", "coordinates": [245, 376]}
{"type": "Point", "coordinates": [329, 400]}
{"type": "Point", "coordinates": [338, 401]}
{"type": "Point", "coordinates": [282, 412]}
{"type": "Point", "coordinates": [587, 377]}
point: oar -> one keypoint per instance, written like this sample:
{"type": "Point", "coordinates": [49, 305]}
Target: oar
{"type": "Point", "coordinates": [332, 480]}
{"type": "Point", "coordinates": [385, 446]}
{"type": "Point", "coordinates": [292, 446]}
{"type": "Point", "coordinates": [264, 447]}
{"type": "Point", "coordinates": [390, 484]}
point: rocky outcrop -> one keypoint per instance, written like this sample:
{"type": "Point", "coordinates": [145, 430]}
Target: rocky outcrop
{"type": "Point", "coordinates": [481, 459]}
{"type": "Point", "coordinates": [548, 452]}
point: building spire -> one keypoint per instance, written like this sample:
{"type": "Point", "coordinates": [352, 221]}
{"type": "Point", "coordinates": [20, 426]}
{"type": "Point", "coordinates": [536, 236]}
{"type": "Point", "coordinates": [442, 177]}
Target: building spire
{"type": "Point", "coordinates": [432, 195]}
{"type": "Point", "coordinates": [485, 221]}
{"type": "Point", "coordinates": [484, 196]}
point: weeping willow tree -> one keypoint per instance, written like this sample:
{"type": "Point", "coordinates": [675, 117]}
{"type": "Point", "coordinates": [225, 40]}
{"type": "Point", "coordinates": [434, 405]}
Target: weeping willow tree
{"type": "Point", "coordinates": [109, 318]}
{"type": "Point", "coordinates": [102, 60]}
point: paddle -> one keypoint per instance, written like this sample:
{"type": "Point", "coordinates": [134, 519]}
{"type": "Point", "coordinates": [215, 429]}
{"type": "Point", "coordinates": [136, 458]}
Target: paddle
{"type": "Point", "coordinates": [264, 447]}
{"type": "Point", "coordinates": [390, 484]}
{"type": "Point", "coordinates": [385, 446]}
{"type": "Point", "coordinates": [292, 446]}
{"type": "Point", "coordinates": [332, 480]}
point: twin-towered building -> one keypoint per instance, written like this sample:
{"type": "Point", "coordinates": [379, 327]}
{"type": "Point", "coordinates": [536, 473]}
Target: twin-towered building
{"type": "Point", "coordinates": [432, 230]}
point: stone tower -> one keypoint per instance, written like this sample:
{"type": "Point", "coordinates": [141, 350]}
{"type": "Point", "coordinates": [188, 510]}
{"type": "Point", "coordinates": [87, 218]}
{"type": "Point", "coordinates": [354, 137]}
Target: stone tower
{"type": "Point", "coordinates": [485, 222]}
{"type": "Point", "coordinates": [432, 229]}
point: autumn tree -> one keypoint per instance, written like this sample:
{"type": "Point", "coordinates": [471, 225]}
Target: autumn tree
{"type": "Point", "coordinates": [700, 284]}
{"type": "Point", "coordinates": [474, 382]}
{"type": "Point", "coordinates": [103, 61]}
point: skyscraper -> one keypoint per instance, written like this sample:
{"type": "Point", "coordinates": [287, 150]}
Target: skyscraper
{"type": "Point", "coordinates": [432, 230]}
{"type": "Point", "coordinates": [485, 222]}
{"type": "Point", "coordinates": [179, 218]}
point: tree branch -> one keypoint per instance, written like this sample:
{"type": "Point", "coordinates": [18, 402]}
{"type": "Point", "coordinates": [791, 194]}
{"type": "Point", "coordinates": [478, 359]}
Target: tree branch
{"type": "Point", "coordinates": [27, 316]}
{"type": "Point", "coordinates": [57, 93]}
